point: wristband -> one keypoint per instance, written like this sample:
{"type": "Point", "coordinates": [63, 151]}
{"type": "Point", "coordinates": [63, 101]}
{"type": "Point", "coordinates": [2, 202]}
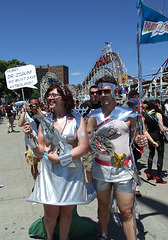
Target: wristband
{"type": "Point", "coordinates": [65, 159]}
{"type": "Point", "coordinates": [32, 143]}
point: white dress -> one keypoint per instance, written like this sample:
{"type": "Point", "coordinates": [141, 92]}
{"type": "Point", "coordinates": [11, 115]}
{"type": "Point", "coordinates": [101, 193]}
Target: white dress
{"type": "Point", "coordinates": [57, 185]}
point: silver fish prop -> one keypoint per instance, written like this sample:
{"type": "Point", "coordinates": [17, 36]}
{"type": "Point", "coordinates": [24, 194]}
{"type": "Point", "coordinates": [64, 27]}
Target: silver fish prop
{"type": "Point", "coordinates": [100, 141]}
{"type": "Point", "coordinates": [53, 136]}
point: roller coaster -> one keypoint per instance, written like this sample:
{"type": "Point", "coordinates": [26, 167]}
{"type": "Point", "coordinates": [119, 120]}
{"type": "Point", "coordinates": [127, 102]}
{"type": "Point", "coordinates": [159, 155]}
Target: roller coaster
{"type": "Point", "coordinates": [158, 86]}
{"type": "Point", "coordinates": [109, 63]}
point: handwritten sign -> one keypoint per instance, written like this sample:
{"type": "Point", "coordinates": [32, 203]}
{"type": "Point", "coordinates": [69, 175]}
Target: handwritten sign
{"type": "Point", "coordinates": [20, 77]}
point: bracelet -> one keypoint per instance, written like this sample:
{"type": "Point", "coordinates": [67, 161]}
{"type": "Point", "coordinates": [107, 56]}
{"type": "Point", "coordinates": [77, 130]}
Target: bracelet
{"type": "Point", "coordinates": [32, 143]}
{"type": "Point", "coordinates": [65, 159]}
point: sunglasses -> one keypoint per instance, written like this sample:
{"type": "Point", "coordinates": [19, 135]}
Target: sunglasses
{"type": "Point", "coordinates": [92, 93]}
{"type": "Point", "coordinates": [54, 95]}
{"type": "Point", "coordinates": [106, 91]}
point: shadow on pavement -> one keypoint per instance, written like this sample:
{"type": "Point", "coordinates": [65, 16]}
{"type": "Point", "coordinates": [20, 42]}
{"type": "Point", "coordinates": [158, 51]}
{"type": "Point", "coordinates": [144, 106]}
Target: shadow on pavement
{"type": "Point", "coordinates": [161, 208]}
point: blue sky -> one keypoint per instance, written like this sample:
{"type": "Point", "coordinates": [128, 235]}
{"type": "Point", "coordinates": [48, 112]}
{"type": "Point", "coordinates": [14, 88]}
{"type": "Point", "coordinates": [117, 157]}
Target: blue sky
{"type": "Point", "coordinates": [71, 33]}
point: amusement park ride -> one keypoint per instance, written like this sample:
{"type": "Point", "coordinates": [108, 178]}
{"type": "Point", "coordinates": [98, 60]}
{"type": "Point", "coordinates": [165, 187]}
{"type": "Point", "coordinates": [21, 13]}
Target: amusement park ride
{"type": "Point", "coordinates": [110, 63]}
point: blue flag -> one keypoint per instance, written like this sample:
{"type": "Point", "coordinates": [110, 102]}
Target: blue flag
{"type": "Point", "coordinates": [154, 26]}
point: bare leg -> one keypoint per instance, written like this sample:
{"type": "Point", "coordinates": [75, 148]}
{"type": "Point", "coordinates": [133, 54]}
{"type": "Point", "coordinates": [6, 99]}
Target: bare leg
{"type": "Point", "coordinates": [8, 125]}
{"type": "Point", "coordinates": [51, 213]}
{"type": "Point", "coordinates": [11, 126]}
{"type": "Point", "coordinates": [65, 221]}
{"type": "Point", "coordinates": [104, 198]}
{"type": "Point", "coordinates": [125, 203]}
{"type": "Point", "coordinates": [89, 176]}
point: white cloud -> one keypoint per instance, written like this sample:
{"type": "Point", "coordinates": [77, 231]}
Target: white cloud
{"type": "Point", "coordinates": [77, 73]}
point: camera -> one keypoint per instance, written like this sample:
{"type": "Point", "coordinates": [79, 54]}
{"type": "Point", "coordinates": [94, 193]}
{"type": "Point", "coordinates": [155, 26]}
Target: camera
{"type": "Point", "coordinates": [31, 105]}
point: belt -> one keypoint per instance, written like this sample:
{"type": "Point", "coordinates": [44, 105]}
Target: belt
{"type": "Point", "coordinates": [111, 162]}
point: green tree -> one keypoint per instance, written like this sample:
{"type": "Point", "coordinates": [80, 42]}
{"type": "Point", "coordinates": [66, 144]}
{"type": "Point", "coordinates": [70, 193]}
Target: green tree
{"type": "Point", "coordinates": [4, 91]}
{"type": "Point", "coordinates": [35, 94]}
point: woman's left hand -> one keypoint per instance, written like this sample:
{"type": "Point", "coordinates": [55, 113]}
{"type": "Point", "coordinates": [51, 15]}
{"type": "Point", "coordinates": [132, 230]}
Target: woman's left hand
{"type": "Point", "coordinates": [155, 144]}
{"type": "Point", "coordinates": [53, 156]}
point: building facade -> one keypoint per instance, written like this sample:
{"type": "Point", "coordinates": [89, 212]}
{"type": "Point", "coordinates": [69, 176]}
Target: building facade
{"type": "Point", "coordinates": [61, 72]}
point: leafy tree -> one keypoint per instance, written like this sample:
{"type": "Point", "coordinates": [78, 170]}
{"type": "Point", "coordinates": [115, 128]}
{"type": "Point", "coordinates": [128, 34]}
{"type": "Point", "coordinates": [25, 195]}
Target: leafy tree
{"type": "Point", "coordinates": [4, 65]}
{"type": "Point", "coordinates": [35, 94]}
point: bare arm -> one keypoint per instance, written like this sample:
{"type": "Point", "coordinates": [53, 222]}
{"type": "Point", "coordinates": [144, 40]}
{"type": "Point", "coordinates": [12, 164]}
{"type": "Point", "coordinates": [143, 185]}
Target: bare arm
{"type": "Point", "coordinates": [22, 116]}
{"type": "Point", "coordinates": [161, 126]}
{"type": "Point", "coordinates": [83, 141]}
{"type": "Point", "coordinates": [91, 126]}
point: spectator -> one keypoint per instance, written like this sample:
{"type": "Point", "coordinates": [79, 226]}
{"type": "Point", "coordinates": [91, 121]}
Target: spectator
{"type": "Point", "coordinates": [9, 112]}
{"type": "Point", "coordinates": [131, 94]}
{"type": "Point", "coordinates": [154, 122]}
{"type": "Point", "coordinates": [94, 101]}
{"type": "Point", "coordinates": [27, 115]}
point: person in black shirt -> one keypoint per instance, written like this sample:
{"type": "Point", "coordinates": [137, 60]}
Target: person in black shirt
{"type": "Point", "coordinates": [94, 102]}
{"type": "Point", "coordinates": [9, 112]}
{"type": "Point", "coordinates": [156, 128]}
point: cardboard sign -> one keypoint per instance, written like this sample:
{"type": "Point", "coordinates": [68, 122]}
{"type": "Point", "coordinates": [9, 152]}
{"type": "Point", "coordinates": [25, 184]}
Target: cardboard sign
{"type": "Point", "coordinates": [20, 77]}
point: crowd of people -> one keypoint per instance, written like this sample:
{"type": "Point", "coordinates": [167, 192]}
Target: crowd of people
{"type": "Point", "coordinates": [104, 142]}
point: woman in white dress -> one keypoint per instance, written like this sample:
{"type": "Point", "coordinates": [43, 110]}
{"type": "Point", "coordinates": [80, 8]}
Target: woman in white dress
{"type": "Point", "coordinates": [60, 185]}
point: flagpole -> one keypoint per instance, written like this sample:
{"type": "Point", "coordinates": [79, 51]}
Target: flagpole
{"type": "Point", "coordinates": [140, 108]}
{"type": "Point", "coordinates": [139, 6]}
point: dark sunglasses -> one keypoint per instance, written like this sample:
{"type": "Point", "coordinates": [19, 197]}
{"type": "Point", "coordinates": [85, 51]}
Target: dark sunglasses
{"type": "Point", "coordinates": [106, 91]}
{"type": "Point", "coordinates": [92, 93]}
{"type": "Point", "coordinates": [53, 95]}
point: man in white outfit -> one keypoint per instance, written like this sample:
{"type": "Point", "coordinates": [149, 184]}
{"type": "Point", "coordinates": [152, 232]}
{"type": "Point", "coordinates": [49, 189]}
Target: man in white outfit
{"type": "Point", "coordinates": [110, 170]}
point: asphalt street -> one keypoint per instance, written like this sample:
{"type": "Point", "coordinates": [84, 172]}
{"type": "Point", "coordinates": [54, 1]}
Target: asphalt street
{"type": "Point", "coordinates": [17, 215]}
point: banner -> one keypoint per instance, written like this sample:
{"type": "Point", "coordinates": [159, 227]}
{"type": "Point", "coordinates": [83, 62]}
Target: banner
{"type": "Point", "coordinates": [20, 77]}
{"type": "Point", "coordinates": [154, 26]}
